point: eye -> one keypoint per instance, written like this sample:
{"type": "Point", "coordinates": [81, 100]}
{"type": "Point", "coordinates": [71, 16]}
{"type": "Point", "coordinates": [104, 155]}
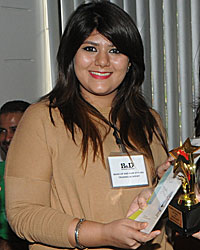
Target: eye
{"type": "Point", "coordinates": [90, 49]}
{"type": "Point", "coordinates": [13, 129]}
{"type": "Point", "coordinates": [115, 51]}
{"type": "Point", "coordinates": [3, 131]}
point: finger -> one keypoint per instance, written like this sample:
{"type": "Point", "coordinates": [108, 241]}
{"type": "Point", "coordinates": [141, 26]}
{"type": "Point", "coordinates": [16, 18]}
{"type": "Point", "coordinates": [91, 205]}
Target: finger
{"type": "Point", "coordinates": [143, 237]}
{"type": "Point", "coordinates": [136, 225]}
{"type": "Point", "coordinates": [142, 202]}
{"type": "Point", "coordinates": [162, 169]}
{"type": "Point", "coordinates": [166, 165]}
{"type": "Point", "coordinates": [133, 208]}
{"type": "Point", "coordinates": [153, 234]}
{"type": "Point", "coordinates": [143, 197]}
{"type": "Point", "coordinates": [136, 245]}
{"type": "Point", "coordinates": [147, 193]}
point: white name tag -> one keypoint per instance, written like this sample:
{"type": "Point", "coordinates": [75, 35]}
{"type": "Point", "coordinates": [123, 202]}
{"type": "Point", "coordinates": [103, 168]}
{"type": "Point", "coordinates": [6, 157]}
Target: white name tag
{"type": "Point", "coordinates": [127, 173]}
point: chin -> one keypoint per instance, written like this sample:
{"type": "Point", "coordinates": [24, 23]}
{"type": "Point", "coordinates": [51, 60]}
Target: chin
{"type": "Point", "coordinates": [102, 92]}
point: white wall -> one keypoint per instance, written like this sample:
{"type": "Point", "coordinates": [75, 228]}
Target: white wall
{"type": "Point", "coordinates": [23, 64]}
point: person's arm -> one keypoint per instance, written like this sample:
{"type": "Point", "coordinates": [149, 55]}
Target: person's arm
{"type": "Point", "coordinates": [124, 233]}
{"type": "Point", "coordinates": [29, 182]}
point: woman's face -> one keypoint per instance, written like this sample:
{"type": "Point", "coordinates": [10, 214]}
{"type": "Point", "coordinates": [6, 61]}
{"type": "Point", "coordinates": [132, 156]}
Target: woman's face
{"type": "Point", "coordinates": [100, 68]}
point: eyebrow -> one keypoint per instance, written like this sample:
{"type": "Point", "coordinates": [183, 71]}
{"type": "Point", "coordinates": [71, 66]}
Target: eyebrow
{"type": "Point", "coordinates": [96, 44]}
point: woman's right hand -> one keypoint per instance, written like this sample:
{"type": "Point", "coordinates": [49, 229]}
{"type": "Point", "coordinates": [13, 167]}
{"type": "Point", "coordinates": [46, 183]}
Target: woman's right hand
{"type": "Point", "coordinates": [125, 233]}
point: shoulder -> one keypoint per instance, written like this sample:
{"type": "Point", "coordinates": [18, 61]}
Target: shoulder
{"type": "Point", "coordinates": [37, 109]}
{"type": "Point", "coordinates": [37, 117]}
{"type": "Point", "coordinates": [40, 112]}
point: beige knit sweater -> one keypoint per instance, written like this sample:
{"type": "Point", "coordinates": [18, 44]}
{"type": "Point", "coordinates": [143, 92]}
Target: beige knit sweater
{"type": "Point", "coordinates": [46, 186]}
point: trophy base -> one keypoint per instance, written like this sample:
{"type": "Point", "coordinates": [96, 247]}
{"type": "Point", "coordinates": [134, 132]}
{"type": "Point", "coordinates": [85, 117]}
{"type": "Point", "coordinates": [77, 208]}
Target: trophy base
{"type": "Point", "coordinates": [185, 220]}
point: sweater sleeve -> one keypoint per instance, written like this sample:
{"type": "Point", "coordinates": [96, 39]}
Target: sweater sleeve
{"type": "Point", "coordinates": [28, 180]}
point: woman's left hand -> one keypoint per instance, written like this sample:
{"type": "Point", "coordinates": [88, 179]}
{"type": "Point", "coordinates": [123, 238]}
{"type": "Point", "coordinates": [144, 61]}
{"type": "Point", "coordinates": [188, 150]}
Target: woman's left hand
{"type": "Point", "coordinates": [140, 201]}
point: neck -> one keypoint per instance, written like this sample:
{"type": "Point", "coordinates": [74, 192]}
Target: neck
{"type": "Point", "coordinates": [100, 101]}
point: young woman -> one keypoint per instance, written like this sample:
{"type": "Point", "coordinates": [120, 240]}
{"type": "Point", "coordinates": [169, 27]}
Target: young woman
{"type": "Point", "coordinates": [92, 129]}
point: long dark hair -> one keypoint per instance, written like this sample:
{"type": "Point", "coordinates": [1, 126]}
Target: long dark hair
{"type": "Point", "coordinates": [129, 109]}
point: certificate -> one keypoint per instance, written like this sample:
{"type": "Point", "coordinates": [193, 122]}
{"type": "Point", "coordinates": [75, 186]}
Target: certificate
{"type": "Point", "coordinates": [159, 200]}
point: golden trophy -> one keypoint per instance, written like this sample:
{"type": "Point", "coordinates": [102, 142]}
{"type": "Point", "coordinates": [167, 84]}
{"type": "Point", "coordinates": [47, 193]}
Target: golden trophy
{"type": "Point", "coordinates": [184, 210]}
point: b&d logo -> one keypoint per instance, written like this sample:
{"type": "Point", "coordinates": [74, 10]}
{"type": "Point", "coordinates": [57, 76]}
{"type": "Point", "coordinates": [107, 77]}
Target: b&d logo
{"type": "Point", "coordinates": [129, 165]}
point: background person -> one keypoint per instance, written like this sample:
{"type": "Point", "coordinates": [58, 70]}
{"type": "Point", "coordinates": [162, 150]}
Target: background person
{"type": "Point", "coordinates": [96, 108]}
{"type": "Point", "coordinates": [10, 115]}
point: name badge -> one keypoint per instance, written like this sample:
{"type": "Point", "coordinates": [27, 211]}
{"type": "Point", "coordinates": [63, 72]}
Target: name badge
{"type": "Point", "coordinates": [126, 172]}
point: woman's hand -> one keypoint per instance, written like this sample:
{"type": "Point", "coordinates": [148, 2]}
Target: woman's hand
{"type": "Point", "coordinates": [140, 201]}
{"type": "Point", "coordinates": [125, 233]}
{"type": "Point", "coordinates": [163, 168]}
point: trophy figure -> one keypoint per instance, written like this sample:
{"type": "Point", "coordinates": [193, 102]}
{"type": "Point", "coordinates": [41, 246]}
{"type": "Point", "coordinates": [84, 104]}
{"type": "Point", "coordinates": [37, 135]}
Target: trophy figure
{"type": "Point", "coordinates": [184, 211]}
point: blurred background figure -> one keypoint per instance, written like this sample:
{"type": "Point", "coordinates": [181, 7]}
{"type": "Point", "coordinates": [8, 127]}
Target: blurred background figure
{"type": "Point", "coordinates": [10, 115]}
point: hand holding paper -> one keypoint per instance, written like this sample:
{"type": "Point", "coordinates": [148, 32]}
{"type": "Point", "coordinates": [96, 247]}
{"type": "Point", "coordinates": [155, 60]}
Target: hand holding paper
{"type": "Point", "coordinates": [140, 202]}
{"type": "Point", "coordinates": [162, 195]}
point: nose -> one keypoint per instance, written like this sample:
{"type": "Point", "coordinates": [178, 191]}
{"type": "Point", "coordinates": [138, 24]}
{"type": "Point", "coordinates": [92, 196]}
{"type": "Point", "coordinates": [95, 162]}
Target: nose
{"type": "Point", "coordinates": [102, 59]}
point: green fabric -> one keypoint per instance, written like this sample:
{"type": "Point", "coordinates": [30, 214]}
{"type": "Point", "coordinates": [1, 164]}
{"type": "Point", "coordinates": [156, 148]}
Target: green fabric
{"type": "Point", "coordinates": [5, 231]}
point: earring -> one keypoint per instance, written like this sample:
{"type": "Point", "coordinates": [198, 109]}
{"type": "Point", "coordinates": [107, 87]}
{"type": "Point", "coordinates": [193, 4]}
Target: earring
{"type": "Point", "coordinates": [129, 65]}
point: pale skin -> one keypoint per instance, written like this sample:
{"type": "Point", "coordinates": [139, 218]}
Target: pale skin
{"type": "Point", "coordinates": [101, 68]}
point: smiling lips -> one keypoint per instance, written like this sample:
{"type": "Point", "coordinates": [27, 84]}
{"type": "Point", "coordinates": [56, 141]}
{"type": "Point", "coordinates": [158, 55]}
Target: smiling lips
{"type": "Point", "coordinates": [100, 75]}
